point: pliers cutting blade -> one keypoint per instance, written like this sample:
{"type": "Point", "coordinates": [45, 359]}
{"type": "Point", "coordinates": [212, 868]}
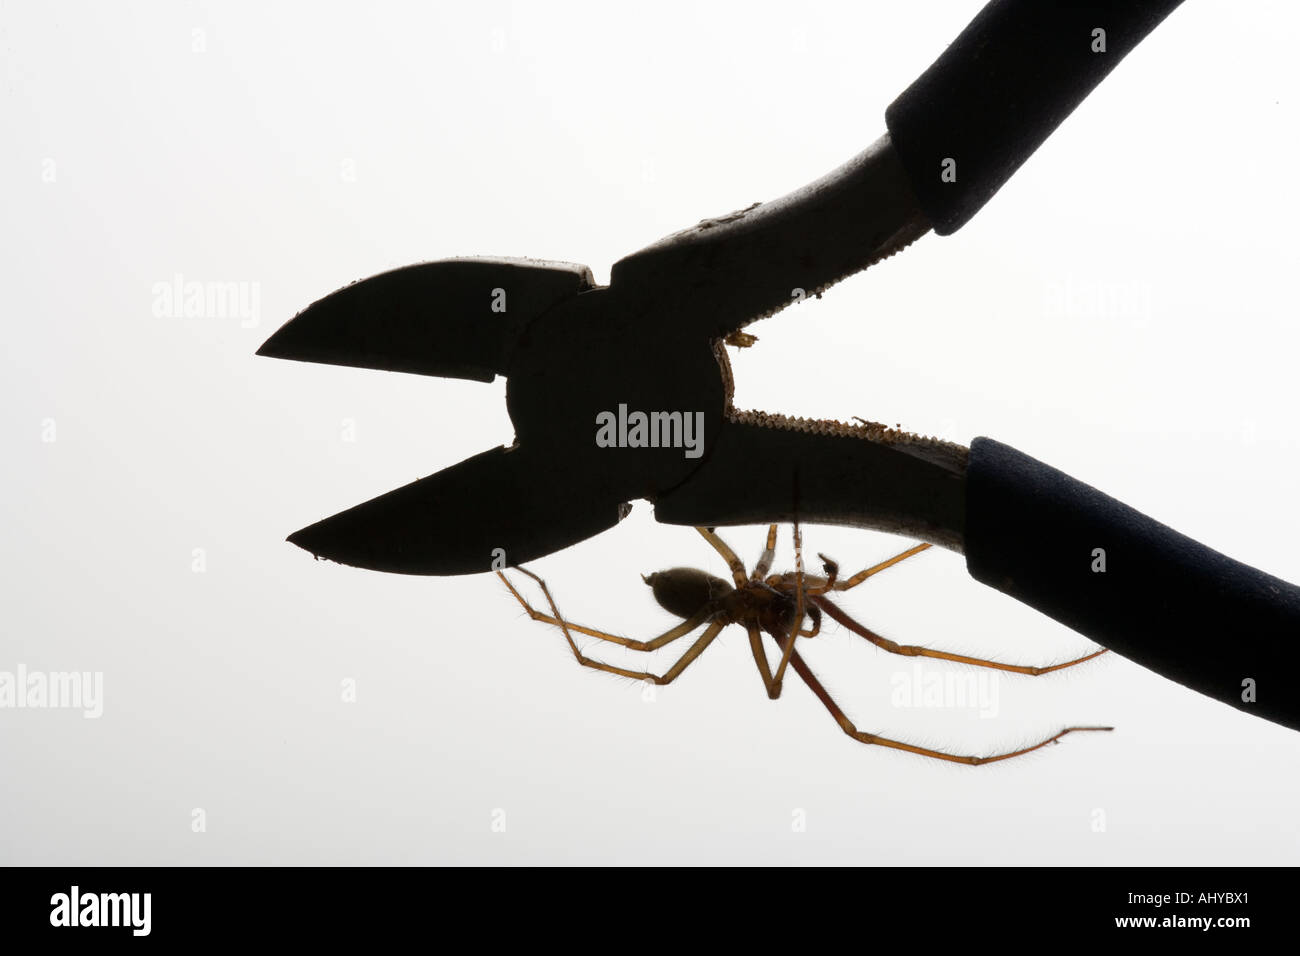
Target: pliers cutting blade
{"type": "Point", "coordinates": [624, 391]}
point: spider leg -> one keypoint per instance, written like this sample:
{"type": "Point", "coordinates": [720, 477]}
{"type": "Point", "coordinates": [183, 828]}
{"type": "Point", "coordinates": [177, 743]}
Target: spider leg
{"type": "Point", "coordinates": [815, 613]}
{"type": "Point", "coordinates": [760, 658]}
{"type": "Point", "coordinates": [910, 650]}
{"type": "Point", "coordinates": [765, 559]}
{"type": "Point", "coordinates": [832, 570]}
{"type": "Point", "coordinates": [667, 637]}
{"type": "Point", "coordinates": [788, 647]}
{"type": "Point", "coordinates": [733, 562]}
{"type": "Point", "coordinates": [849, 728]}
{"type": "Point", "coordinates": [683, 662]}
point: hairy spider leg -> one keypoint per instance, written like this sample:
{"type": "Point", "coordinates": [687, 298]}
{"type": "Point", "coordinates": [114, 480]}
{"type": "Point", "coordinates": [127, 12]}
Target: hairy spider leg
{"type": "Point", "coordinates": [815, 613]}
{"type": "Point", "coordinates": [765, 559]}
{"type": "Point", "coordinates": [851, 729]}
{"type": "Point", "coordinates": [683, 662]}
{"type": "Point", "coordinates": [788, 648]}
{"type": "Point", "coordinates": [760, 658]}
{"type": "Point", "coordinates": [911, 650]}
{"type": "Point", "coordinates": [737, 566]}
{"type": "Point", "coordinates": [667, 637]}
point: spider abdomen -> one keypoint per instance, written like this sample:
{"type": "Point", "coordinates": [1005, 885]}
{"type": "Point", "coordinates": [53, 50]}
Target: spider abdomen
{"type": "Point", "coordinates": [686, 591]}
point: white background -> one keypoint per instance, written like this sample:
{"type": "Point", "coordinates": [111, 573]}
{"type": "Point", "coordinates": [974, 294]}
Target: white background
{"type": "Point", "coordinates": [301, 146]}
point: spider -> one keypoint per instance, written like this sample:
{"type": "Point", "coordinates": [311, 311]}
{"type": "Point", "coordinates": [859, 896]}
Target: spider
{"type": "Point", "coordinates": [777, 605]}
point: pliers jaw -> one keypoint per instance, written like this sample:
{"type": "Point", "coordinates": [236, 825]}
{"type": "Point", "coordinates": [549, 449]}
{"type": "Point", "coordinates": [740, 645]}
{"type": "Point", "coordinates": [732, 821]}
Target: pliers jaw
{"type": "Point", "coordinates": [436, 318]}
{"type": "Point", "coordinates": [573, 354]}
{"type": "Point", "coordinates": [488, 510]}
{"type": "Point", "coordinates": [459, 318]}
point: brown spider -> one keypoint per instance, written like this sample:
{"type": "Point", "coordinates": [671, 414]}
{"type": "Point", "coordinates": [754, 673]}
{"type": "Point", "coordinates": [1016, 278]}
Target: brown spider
{"type": "Point", "coordinates": [775, 604]}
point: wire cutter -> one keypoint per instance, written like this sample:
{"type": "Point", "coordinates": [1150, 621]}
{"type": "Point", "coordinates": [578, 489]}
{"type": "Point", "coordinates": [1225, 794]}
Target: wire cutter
{"type": "Point", "coordinates": [624, 391]}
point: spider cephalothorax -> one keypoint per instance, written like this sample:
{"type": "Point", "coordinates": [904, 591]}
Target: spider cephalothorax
{"type": "Point", "coordinates": [774, 604]}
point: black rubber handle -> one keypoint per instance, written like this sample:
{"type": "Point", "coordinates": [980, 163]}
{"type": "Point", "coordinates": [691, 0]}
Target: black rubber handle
{"type": "Point", "coordinates": [1001, 88]}
{"type": "Point", "coordinates": [1132, 584]}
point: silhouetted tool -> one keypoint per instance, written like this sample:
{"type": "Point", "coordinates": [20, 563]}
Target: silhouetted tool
{"type": "Point", "coordinates": [624, 391]}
